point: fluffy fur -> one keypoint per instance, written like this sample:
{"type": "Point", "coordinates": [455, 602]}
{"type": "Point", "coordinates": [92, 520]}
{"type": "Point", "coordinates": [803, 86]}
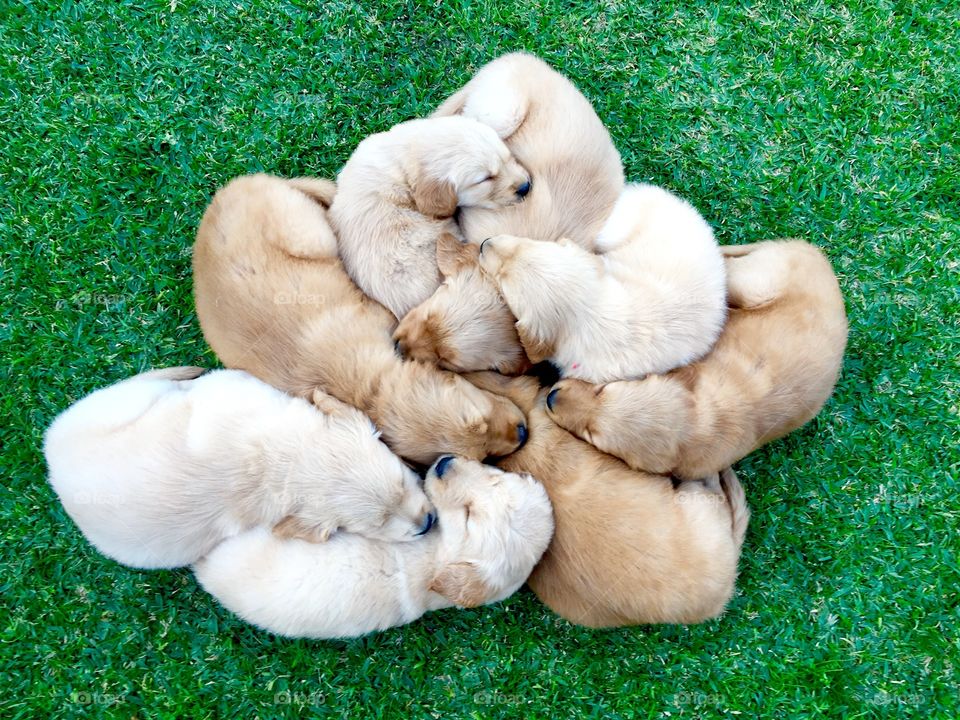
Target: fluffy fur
{"type": "Point", "coordinates": [650, 300]}
{"type": "Point", "coordinates": [772, 370]}
{"type": "Point", "coordinates": [273, 299]}
{"type": "Point", "coordinates": [493, 527]}
{"type": "Point", "coordinates": [398, 193]}
{"type": "Point", "coordinates": [629, 547]}
{"type": "Point", "coordinates": [551, 128]}
{"type": "Point", "coordinates": [158, 469]}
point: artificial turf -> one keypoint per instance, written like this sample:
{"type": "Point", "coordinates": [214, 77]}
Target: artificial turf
{"type": "Point", "coordinates": [833, 122]}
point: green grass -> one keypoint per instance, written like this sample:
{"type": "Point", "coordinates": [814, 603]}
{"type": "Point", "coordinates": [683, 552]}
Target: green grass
{"type": "Point", "coordinates": [837, 123]}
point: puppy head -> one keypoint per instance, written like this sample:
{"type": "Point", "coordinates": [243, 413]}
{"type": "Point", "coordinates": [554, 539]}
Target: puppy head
{"type": "Point", "coordinates": [376, 494]}
{"type": "Point", "coordinates": [462, 162]}
{"type": "Point", "coordinates": [493, 527]}
{"type": "Point", "coordinates": [464, 325]}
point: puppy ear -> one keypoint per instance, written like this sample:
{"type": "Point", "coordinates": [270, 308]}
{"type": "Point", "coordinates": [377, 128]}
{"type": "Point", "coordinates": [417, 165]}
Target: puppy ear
{"type": "Point", "coordinates": [296, 527]}
{"type": "Point", "coordinates": [537, 350]}
{"type": "Point", "coordinates": [452, 255]}
{"type": "Point", "coordinates": [460, 583]}
{"type": "Point", "coordinates": [435, 197]}
{"type": "Point", "coordinates": [328, 404]}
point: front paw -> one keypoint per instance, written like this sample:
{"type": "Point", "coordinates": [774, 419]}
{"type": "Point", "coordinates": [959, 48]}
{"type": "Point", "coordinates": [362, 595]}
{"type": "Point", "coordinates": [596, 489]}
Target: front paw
{"type": "Point", "coordinates": [574, 405]}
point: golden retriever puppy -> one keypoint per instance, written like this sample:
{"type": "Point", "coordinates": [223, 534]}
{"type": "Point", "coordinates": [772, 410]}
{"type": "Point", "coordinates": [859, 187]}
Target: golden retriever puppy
{"type": "Point", "coordinates": [398, 193]}
{"type": "Point", "coordinates": [493, 527]}
{"type": "Point", "coordinates": [273, 299]}
{"type": "Point", "coordinates": [629, 547]}
{"type": "Point", "coordinates": [652, 299]}
{"type": "Point", "coordinates": [157, 469]}
{"type": "Point", "coordinates": [553, 130]}
{"type": "Point", "coordinates": [772, 370]}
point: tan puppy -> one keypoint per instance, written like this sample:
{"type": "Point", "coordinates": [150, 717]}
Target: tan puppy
{"type": "Point", "coordinates": [159, 468]}
{"type": "Point", "coordinates": [398, 192]}
{"type": "Point", "coordinates": [629, 547]}
{"type": "Point", "coordinates": [650, 299]}
{"type": "Point", "coordinates": [772, 370]}
{"type": "Point", "coordinates": [551, 128]}
{"type": "Point", "coordinates": [273, 299]}
{"type": "Point", "coordinates": [493, 527]}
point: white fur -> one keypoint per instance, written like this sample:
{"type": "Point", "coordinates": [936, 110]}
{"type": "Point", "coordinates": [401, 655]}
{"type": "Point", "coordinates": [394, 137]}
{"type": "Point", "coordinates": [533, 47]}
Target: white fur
{"type": "Point", "coordinates": [652, 300]}
{"type": "Point", "coordinates": [387, 237]}
{"type": "Point", "coordinates": [351, 586]}
{"type": "Point", "coordinates": [158, 469]}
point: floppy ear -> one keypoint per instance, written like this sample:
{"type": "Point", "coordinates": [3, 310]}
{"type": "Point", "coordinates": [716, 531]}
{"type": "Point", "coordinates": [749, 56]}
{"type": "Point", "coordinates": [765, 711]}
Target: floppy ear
{"type": "Point", "coordinates": [435, 197]}
{"type": "Point", "coordinates": [537, 350]}
{"type": "Point", "coordinates": [453, 254]}
{"type": "Point", "coordinates": [460, 584]}
{"type": "Point", "coordinates": [296, 527]}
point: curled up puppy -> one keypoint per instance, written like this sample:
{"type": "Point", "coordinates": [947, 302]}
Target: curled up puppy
{"type": "Point", "coordinates": [650, 300]}
{"type": "Point", "coordinates": [492, 528]}
{"type": "Point", "coordinates": [398, 193]}
{"type": "Point", "coordinates": [158, 469]}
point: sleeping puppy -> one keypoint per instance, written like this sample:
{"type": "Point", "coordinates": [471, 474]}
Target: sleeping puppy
{"type": "Point", "coordinates": [398, 193]}
{"type": "Point", "coordinates": [553, 131]}
{"type": "Point", "coordinates": [158, 469]}
{"type": "Point", "coordinates": [629, 547]}
{"type": "Point", "coordinates": [551, 128]}
{"type": "Point", "coordinates": [772, 370]}
{"type": "Point", "coordinates": [650, 300]}
{"type": "Point", "coordinates": [493, 527]}
{"type": "Point", "coordinates": [274, 300]}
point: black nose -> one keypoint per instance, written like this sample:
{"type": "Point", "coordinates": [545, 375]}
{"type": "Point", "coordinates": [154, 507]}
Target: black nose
{"type": "Point", "coordinates": [551, 397]}
{"type": "Point", "coordinates": [483, 243]}
{"type": "Point", "coordinates": [442, 464]}
{"type": "Point", "coordinates": [522, 435]}
{"type": "Point", "coordinates": [524, 189]}
{"type": "Point", "coordinates": [427, 524]}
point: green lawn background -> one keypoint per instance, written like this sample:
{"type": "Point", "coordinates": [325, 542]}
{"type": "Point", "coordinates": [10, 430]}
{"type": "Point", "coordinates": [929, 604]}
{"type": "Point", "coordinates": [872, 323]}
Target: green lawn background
{"type": "Point", "coordinates": [833, 122]}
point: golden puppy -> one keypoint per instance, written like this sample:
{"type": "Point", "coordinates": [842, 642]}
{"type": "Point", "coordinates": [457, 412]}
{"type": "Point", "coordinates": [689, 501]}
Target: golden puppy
{"type": "Point", "coordinates": [493, 528]}
{"type": "Point", "coordinates": [157, 469]}
{"type": "Point", "coordinates": [650, 299]}
{"type": "Point", "coordinates": [551, 128]}
{"type": "Point", "coordinates": [629, 547]}
{"type": "Point", "coordinates": [273, 299]}
{"type": "Point", "coordinates": [398, 192]}
{"type": "Point", "coordinates": [772, 370]}
{"type": "Point", "coordinates": [553, 131]}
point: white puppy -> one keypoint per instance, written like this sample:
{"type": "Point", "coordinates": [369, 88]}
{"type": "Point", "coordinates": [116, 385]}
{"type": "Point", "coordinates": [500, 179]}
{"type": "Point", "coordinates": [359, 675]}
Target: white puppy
{"type": "Point", "coordinates": [492, 528]}
{"type": "Point", "coordinates": [398, 193]}
{"type": "Point", "coordinates": [158, 469]}
{"type": "Point", "coordinates": [652, 299]}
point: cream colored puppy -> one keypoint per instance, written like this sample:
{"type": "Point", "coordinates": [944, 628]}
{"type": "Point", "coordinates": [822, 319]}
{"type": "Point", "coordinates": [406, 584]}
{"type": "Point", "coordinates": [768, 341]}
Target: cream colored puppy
{"type": "Point", "coordinates": [493, 527]}
{"type": "Point", "coordinates": [651, 300]}
{"type": "Point", "coordinates": [552, 129]}
{"type": "Point", "coordinates": [771, 371]}
{"type": "Point", "coordinates": [158, 469]}
{"type": "Point", "coordinates": [398, 193]}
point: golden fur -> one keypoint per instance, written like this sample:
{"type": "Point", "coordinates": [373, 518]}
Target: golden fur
{"type": "Point", "coordinates": [628, 547]}
{"type": "Point", "coordinates": [771, 371]}
{"type": "Point", "coordinates": [273, 299]}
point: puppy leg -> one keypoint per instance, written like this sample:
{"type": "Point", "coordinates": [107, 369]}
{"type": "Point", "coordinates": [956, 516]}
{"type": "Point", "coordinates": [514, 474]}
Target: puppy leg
{"type": "Point", "coordinates": [645, 423]}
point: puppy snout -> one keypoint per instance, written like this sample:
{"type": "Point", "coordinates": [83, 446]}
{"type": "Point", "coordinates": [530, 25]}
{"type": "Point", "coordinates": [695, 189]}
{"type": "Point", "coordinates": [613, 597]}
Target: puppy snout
{"type": "Point", "coordinates": [523, 189]}
{"type": "Point", "coordinates": [428, 522]}
{"type": "Point", "coordinates": [443, 464]}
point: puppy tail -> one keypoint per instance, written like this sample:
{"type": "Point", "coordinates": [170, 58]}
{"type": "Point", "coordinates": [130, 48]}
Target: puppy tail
{"type": "Point", "coordinates": [317, 189]}
{"type": "Point", "coordinates": [737, 500]}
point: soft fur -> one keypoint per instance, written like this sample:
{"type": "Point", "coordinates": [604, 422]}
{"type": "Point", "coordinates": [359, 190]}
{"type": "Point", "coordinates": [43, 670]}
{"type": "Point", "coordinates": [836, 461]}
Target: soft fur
{"type": "Point", "coordinates": [493, 527]}
{"type": "Point", "coordinates": [629, 547]}
{"type": "Point", "coordinates": [772, 370]}
{"type": "Point", "coordinates": [273, 299]}
{"type": "Point", "coordinates": [158, 469]}
{"type": "Point", "coordinates": [650, 300]}
{"type": "Point", "coordinates": [398, 193]}
{"type": "Point", "coordinates": [551, 128]}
